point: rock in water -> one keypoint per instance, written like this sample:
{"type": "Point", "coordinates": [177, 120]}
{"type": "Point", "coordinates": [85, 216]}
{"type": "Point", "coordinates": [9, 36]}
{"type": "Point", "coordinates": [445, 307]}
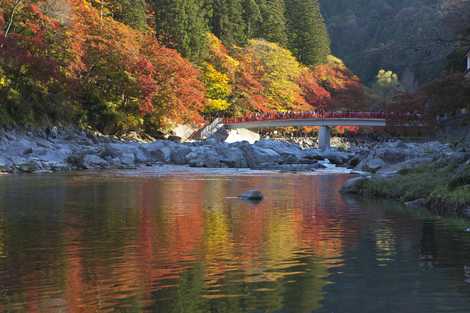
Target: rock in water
{"type": "Point", "coordinates": [253, 195]}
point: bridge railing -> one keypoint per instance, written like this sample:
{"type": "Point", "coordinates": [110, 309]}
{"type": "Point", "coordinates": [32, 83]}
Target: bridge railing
{"type": "Point", "coordinates": [392, 116]}
{"type": "Point", "coordinates": [253, 117]}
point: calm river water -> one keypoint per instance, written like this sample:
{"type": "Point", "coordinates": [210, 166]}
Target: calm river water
{"type": "Point", "coordinates": [180, 242]}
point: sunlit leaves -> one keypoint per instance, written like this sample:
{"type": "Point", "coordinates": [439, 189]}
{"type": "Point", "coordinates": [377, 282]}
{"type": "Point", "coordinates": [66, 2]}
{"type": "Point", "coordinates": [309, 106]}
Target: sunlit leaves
{"type": "Point", "coordinates": [274, 72]}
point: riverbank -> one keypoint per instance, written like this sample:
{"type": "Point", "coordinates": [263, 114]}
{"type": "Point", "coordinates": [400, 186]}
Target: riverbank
{"type": "Point", "coordinates": [59, 150]}
{"type": "Point", "coordinates": [68, 149]}
{"type": "Point", "coordinates": [440, 184]}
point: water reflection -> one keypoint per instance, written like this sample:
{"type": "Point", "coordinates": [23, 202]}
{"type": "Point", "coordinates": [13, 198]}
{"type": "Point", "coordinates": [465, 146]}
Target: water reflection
{"type": "Point", "coordinates": [185, 244]}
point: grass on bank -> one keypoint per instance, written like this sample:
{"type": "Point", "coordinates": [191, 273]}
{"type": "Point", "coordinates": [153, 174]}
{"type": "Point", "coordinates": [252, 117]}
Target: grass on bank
{"type": "Point", "coordinates": [444, 187]}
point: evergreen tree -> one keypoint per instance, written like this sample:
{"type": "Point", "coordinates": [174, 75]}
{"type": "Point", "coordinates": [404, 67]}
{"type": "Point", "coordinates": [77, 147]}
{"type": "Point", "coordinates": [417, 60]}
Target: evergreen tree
{"type": "Point", "coordinates": [131, 12]}
{"type": "Point", "coordinates": [252, 17]}
{"type": "Point", "coordinates": [273, 25]}
{"type": "Point", "coordinates": [227, 21]}
{"type": "Point", "coordinates": [182, 24]}
{"type": "Point", "coordinates": [308, 39]}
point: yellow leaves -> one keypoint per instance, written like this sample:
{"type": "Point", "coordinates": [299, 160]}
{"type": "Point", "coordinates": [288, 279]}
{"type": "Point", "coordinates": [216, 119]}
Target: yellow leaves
{"type": "Point", "coordinates": [218, 87]}
{"type": "Point", "coordinates": [4, 81]}
{"type": "Point", "coordinates": [333, 61]}
{"type": "Point", "coordinates": [387, 78]}
{"type": "Point", "coordinates": [219, 56]}
{"type": "Point", "coordinates": [279, 71]}
{"type": "Point", "coordinates": [217, 105]}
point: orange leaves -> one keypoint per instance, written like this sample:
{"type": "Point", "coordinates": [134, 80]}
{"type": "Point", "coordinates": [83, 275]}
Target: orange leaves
{"type": "Point", "coordinates": [314, 94]}
{"type": "Point", "coordinates": [181, 93]}
{"type": "Point", "coordinates": [345, 88]}
{"type": "Point", "coordinates": [116, 74]}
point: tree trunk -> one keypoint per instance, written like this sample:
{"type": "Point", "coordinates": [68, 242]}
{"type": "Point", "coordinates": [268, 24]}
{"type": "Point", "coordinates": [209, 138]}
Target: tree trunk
{"type": "Point", "coordinates": [12, 17]}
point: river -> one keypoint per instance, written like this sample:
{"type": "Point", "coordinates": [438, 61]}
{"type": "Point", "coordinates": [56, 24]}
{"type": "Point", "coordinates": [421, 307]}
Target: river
{"type": "Point", "coordinates": [180, 241]}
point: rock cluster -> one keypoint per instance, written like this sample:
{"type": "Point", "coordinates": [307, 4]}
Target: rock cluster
{"type": "Point", "coordinates": [71, 149]}
{"type": "Point", "coordinates": [391, 157]}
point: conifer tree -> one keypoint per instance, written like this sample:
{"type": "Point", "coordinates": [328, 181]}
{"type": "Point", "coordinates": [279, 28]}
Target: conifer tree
{"type": "Point", "coordinates": [273, 25]}
{"type": "Point", "coordinates": [131, 12]}
{"type": "Point", "coordinates": [308, 36]}
{"type": "Point", "coordinates": [252, 17]}
{"type": "Point", "coordinates": [227, 21]}
{"type": "Point", "coordinates": [183, 25]}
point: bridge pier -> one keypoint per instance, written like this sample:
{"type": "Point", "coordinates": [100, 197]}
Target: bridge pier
{"type": "Point", "coordinates": [324, 138]}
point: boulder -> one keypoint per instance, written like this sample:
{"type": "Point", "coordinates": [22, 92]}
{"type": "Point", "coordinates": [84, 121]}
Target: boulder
{"type": "Point", "coordinates": [290, 153]}
{"type": "Point", "coordinates": [253, 195]}
{"type": "Point", "coordinates": [255, 155]}
{"type": "Point", "coordinates": [231, 157]}
{"type": "Point", "coordinates": [93, 161]}
{"type": "Point", "coordinates": [336, 157]}
{"type": "Point", "coordinates": [406, 165]}
{"type": "Point", "coordinates": [142, 156]}
{"type": "Point", "coordinates": [111, 151]}
{"type": "Point", "coordinates": [204, 157]}
{"type": "Point", "coordinates": [160, 150]}
{"type": "Point", "coordinates": [354, 185]}
{"type": "Point", "coordinates": [393, 155]}
{"type": "Point", "coordinates": [86, 160]}
{"type": "Point", "coordinates": [29, 166]}
{"type": "Point", "coordinates": [373, 165]}
{"type": "Point", "coordinates": [128, 160]}
{"type": "Point", "coordinates": [179, 155]}
{"type": "Point", "coordinates": [313, 154]}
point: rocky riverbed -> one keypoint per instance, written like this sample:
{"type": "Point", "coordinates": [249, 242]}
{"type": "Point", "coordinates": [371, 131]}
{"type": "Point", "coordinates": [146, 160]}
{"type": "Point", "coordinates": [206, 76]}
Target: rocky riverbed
{"type": "Point", "coordinates": [73, 149]}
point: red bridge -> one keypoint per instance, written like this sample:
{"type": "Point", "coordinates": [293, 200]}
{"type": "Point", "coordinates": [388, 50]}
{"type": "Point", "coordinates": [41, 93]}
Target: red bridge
{"type": "Point", "coordinates": [325, 120]}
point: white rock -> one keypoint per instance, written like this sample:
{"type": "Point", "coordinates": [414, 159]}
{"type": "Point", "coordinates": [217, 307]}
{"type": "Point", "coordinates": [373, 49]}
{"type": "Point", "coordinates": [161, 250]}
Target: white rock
{"type": "Point", "coordinates": [238, 135]}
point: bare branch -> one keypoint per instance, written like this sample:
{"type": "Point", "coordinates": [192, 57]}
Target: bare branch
{"type": "Point", "coordinates": [12, 17]}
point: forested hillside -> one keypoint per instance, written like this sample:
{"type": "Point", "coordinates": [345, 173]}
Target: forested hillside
{"type": "Point", "coordinates": [122, 65]}
{"type": "Point", "coordinates": [410, 37]}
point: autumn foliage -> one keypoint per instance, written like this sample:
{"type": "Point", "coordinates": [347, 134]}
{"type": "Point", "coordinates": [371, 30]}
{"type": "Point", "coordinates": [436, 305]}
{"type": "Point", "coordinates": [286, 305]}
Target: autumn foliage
{"type": "Point", "coordinates": [110, 75]}
{"type": "Point", "coordinates": [64, 61]}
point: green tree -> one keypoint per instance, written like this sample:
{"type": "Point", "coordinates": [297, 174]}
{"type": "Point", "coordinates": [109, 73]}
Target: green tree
{"type": "Point", "coordinates": [308, 37]}
{"type": "Point", "coordinates": [129, 12]}
{"type": "Point", "coordinates": [273, 25]}
{"type": "Point", "coordinates": [182, 25]}
{"type": "Point", "coordinates": [227, 21]}
{"type": "Point", "coordinates": [252, 17]}
{"type": "Point", "coordinates": [387, 86]}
